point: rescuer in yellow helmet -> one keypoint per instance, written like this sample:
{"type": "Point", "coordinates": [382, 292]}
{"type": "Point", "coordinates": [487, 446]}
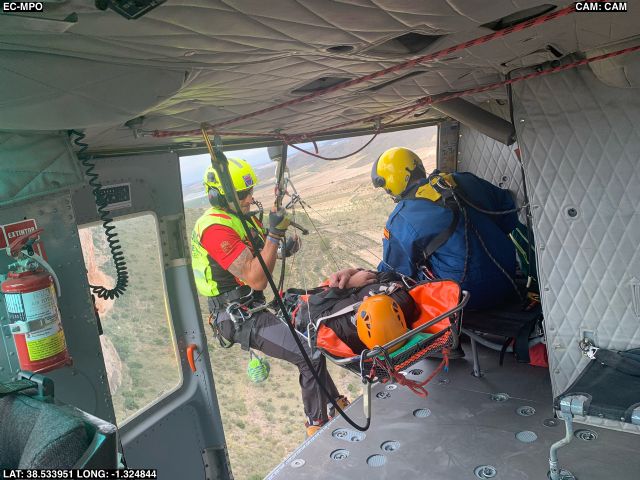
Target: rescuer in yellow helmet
{"type": "Point", "coordinates": [227, 272]}
{"type": "Point", "coordinates": [447, 226]}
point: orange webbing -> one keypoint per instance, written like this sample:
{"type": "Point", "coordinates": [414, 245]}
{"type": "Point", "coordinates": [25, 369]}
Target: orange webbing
{"type": "Point", "coordinates": [329, 341]}
{"type": "Point", "coordinates": [434, 299]}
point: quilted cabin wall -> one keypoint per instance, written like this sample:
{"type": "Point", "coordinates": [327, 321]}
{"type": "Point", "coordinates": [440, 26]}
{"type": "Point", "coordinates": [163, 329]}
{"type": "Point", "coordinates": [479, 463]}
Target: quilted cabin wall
{"type": "Point", "coordinates": [491, 160]}
{"type": "Point", "coordinates": [581, 148]}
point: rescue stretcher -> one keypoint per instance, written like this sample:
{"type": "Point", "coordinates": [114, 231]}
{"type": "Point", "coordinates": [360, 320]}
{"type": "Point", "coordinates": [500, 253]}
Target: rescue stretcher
{"type": "Point", "coordinates": [436, 331]}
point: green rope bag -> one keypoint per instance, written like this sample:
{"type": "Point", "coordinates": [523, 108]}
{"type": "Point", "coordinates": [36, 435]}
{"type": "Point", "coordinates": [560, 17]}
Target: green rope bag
{"type": "Point", "coordinates": [258, 369]}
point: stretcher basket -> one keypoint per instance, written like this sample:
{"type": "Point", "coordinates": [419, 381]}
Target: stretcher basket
{"type": "Point", "coordinates": [417, 346]}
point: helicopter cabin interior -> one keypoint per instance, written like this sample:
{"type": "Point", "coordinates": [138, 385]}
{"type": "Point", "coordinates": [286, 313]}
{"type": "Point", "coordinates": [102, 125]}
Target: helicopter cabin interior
{"type": "Point", "coordinates": [100, 100]}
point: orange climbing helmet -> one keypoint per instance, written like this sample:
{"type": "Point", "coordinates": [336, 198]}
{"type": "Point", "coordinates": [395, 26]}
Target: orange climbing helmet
{"type": "Point", "coordinates": [380, 320]}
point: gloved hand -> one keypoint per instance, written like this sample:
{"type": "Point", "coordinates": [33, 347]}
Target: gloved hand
{"type": "Point", "coordinates": [388, 276]}
{"type": "Point", "coordinates": [292, 245]}
{"type": "Point", "coordinates": [278, 222]}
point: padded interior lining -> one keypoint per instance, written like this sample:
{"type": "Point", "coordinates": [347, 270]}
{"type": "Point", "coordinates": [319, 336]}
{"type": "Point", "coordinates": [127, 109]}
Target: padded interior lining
{"type": "Point", "coordinates": [210, 60]}
{"type": "Point", "coordinates": [33, 164]}
{"type": "Point", "coordinates": [581, 149]}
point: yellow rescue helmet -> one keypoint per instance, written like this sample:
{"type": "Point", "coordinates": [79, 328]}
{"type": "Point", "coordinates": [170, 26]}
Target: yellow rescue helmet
{"type": "Point", "coordinates": [379, 320]}
{"type": "Point", "coordinates": [392, 170]}
{"type": "Point", "coordinates": [241, 172]}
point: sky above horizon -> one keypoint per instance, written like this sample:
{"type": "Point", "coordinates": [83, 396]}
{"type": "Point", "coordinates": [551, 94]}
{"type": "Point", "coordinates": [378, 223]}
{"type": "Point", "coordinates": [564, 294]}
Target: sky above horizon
{"type": "Point", "coordinates": [192, 167]}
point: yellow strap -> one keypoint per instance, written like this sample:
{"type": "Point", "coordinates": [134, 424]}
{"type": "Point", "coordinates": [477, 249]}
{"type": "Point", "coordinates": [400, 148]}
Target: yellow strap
{"type": "Point", "coordinates": [427, 191]}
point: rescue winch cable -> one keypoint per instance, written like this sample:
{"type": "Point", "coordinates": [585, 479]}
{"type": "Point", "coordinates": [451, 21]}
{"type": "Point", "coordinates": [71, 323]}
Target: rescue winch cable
{"type": "Point", "coordinates": [320, 236]}
{"type": "Point", "coordinates": [220, 164]}
{"type": "Point", "coordinates": [401, 66]}
{"type": "Point", "coordinates": [280, 188]}
{"type": "Point", "coordinates": [304, 204]}
{"type": "Point", "coordinates": [122, 274]}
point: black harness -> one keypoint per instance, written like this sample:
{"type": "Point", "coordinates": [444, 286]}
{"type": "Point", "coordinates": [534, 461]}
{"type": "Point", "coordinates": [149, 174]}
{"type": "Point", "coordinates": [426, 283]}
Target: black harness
{"type": "Point", "coordinates": [237, 306]}
{"type": "Point", "coordinates": [447, 200]}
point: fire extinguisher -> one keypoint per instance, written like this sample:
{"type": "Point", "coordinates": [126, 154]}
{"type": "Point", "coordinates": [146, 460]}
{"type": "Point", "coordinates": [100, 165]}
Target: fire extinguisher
{"type": "Point", "coordinates": [30, 292]}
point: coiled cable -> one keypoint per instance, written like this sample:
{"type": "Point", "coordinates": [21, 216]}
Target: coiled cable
{"type": "Point", "coordinates": [490, 212]}
{"type": "Point", "coordinates": [468, 224]}
{"type": "Point", "coordinates": [122, 275]}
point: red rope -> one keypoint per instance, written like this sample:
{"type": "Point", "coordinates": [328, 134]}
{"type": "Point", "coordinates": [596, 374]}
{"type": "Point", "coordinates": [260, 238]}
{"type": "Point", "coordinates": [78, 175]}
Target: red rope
{"type": "Point", "coordinates": [439, 344]}
{"type": "Point", "coordinates": [408, 64]}
{"type": "Point", "coordinates": [424, 101]}
{"type": "Point", "coordinates": [429, 100]}
{"type": "Point", "coordinates": [317, 155]}
{"type": "Point", "coordinates": [396, 68]}
{"type": "Point", "coordinates": [415, 387]}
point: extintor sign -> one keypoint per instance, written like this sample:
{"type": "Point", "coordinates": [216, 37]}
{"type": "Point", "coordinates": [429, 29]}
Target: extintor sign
{"type": "Point", "coordinates": [11, 231]}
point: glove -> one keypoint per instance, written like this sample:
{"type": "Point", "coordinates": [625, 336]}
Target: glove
{"type": "Point", "coordinates": [278, 222]}
{"type": "Point", "coordinates": [389, 276]}
{"type": "Point", "coordinates": [292, 245]}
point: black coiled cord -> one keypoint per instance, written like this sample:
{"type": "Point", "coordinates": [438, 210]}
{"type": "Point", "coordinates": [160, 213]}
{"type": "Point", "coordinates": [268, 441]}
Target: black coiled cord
{"type": "Point", "coordinates": [457, 196]}
{"type": "Point", "coordinates": [490, 212]}
{"type": "Point", "coordinates": [122, 275]}
{"type": "Point", "coordinates": [260, 209]}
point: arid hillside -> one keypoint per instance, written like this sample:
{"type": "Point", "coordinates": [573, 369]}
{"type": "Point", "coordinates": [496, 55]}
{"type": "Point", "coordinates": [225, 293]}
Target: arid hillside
{"type": "Point", "coordinates": [263, 422]}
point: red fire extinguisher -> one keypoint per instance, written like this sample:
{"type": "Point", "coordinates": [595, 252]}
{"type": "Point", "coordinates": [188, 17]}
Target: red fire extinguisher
{"type": "Point", "coordinates": [32, 306]}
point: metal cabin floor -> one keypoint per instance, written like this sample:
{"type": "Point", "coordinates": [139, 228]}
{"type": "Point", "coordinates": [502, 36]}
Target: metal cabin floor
{"type": "Point", "coordinates": [464, 428]}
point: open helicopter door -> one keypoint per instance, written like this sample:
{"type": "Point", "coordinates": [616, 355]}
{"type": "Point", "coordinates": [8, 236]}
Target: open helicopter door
{"type": "Point", "coordinates": [160, 379]}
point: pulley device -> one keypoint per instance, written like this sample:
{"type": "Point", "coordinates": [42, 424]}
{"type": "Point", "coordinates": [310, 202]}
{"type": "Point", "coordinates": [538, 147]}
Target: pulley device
{"type": "Point", "coordinates": [30, 293]}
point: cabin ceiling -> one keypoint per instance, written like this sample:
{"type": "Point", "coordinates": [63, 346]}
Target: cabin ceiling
{"type": "Point", "coordinates": [192, 61]}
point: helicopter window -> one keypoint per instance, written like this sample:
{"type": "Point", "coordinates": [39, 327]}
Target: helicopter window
{"type": "Point", "coordinates": [138, 342]}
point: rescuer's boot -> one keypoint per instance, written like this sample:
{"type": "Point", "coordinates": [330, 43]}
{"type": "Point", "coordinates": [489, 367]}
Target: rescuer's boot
{"type": "Point", "coordinates": [313, 428]}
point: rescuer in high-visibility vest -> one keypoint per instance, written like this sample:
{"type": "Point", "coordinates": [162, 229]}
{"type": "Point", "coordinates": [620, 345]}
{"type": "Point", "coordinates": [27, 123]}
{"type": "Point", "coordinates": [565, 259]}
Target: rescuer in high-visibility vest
{"type": "Point", "coordinates": [227, 272]}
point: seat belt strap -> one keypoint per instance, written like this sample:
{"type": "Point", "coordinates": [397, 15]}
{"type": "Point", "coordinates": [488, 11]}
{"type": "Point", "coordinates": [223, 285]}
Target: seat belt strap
{"type": "Point", "coordinates": [442, 237]}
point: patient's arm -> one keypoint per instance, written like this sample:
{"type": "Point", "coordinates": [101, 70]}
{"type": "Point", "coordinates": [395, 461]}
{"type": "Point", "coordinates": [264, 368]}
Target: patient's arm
{"type": "Point", "coordinates": [351, 278]}
{"type": "Point", "coordinates": [361, 278]}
